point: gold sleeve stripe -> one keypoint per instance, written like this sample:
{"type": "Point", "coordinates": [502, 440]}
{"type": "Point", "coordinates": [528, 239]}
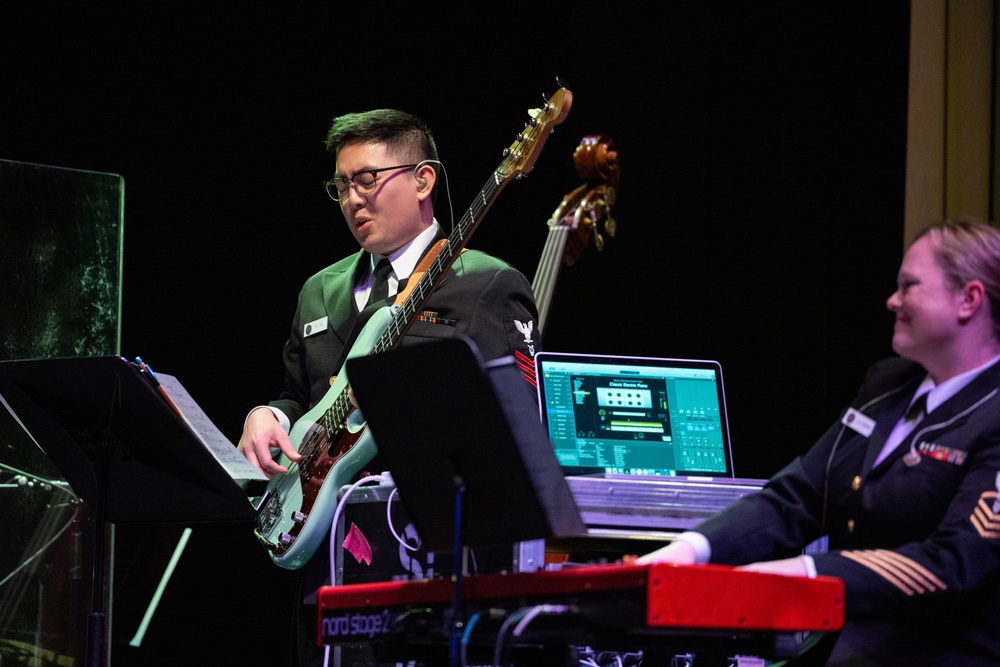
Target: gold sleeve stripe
{"type": "Point", "coordinates": [915, 569]}
{"type": "Point", "coordinates": [984, 519]}
{"type": "Point", "coordinates": [904, 573]}
{"type": "Point", "coordinates": [863, 559]}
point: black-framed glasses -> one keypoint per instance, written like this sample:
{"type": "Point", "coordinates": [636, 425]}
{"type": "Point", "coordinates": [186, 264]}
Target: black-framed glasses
{"type": "Point", "coordinates": [363, 181]}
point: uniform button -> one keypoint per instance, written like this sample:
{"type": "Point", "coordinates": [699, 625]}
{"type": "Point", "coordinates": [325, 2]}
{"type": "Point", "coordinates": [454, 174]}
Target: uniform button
{"type": "Point", "coordinates": [850, 525]}
{"type": "Point", "coordinates": [856, 483]}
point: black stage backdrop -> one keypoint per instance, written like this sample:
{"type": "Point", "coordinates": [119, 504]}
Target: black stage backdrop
{"type": "Point", "coordinates": [760, 213]}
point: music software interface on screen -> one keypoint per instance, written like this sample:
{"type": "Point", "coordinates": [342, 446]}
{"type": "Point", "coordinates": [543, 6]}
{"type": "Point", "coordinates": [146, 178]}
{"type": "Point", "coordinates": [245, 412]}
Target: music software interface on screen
{"type": "Point", "coordinates": [630, 424]}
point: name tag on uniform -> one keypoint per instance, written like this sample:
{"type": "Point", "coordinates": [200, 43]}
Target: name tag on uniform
{"type": "Point", "coordinates": [857, 421]}
{"type": "Point", "coordinates": [315, 327]}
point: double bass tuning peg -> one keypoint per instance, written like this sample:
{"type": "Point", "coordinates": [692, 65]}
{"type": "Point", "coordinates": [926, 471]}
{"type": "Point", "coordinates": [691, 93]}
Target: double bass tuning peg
{"type": "Point", "coordinates": [598, 240]}
{"type": "Point", "coordinates": [610, 226]}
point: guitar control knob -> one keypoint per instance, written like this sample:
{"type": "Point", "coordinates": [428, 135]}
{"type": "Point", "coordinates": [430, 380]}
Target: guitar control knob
{"type": "Point", "coordinates": [299, 517]}
{"type": "Point", "coordinates": [285, 539]}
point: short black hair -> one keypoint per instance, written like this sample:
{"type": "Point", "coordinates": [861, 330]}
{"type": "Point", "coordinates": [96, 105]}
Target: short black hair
{"type": "Point", "coordinates": [401, 132]}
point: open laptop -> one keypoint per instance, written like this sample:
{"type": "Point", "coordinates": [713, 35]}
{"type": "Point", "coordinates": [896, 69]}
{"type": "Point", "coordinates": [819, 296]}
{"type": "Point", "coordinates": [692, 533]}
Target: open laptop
{"type": "Point", "coordinates": [641, 416]}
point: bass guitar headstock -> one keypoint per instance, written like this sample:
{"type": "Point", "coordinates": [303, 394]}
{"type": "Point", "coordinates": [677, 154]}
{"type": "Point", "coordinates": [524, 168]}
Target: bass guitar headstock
{"type": "Point", "coordinates": [519, 158]}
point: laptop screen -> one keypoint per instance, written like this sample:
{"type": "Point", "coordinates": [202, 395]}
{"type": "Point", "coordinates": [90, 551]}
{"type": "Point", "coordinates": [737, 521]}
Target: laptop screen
{"type": "Point", "coordinates": [619, 415]}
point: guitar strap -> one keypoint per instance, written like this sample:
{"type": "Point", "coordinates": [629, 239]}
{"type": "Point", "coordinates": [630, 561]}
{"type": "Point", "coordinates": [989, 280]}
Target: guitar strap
{"type": "Point", "coordinates": [362, 319]}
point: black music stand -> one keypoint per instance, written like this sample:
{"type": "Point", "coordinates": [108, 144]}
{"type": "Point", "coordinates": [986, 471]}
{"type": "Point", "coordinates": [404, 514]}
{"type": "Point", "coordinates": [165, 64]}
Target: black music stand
{"type": "Point", "coordinates": [466, 449]}
{"type": "Point", "coordinates": [121, 448]}
{"type": "Point", "coordinates": [444, 420]}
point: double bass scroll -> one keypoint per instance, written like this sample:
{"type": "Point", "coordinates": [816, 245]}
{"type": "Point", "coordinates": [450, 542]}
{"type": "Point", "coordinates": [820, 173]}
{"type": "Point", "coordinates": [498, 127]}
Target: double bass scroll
{"type": "Point", "coordinates": [583, 216]}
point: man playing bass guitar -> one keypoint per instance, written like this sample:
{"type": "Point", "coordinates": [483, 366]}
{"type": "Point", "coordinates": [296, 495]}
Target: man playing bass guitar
{"type": "Point", "coordinates": [385, 182]}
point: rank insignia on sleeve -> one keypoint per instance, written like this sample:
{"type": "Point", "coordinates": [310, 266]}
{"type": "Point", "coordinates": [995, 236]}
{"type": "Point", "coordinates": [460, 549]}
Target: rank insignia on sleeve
{"type": "Point", "coordinates": [527, 367]}
{"type": "Point", "coordinates": [526, 329]}
{"type": "Point", "coordinates": [986, 517]}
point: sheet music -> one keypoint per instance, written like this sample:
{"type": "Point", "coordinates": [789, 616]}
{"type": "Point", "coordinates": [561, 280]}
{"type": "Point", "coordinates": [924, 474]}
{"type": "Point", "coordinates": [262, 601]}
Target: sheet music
{"type": "Point", "coordinates": [208, 433]}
